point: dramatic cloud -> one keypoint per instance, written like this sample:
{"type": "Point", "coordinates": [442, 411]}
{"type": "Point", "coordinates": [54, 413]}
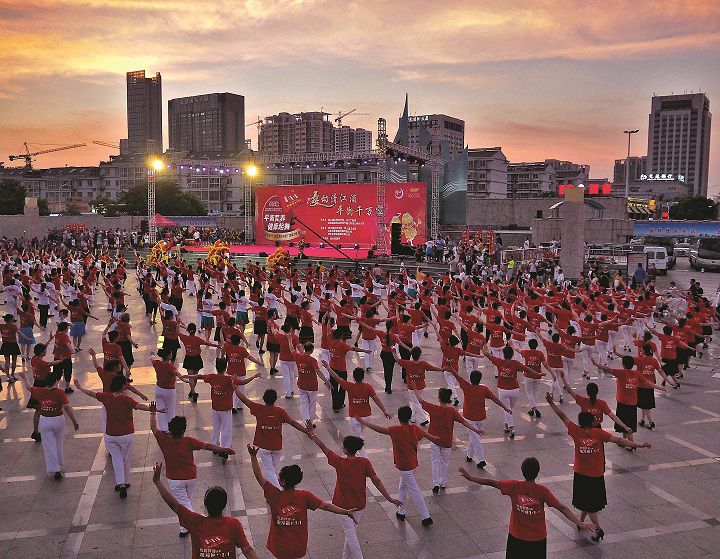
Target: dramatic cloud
{"type": "Point", "coordinates": [539, 77]}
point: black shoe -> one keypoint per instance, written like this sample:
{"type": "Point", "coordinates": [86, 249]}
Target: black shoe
{"type": "Point", "coordinates": [195, 397]}
{"type": "Point", "coordinates": [642, 423]}
{"type": "Point", "coordinates": [456, 402]}
{"type": "Point", "coordinates": [123, 492]}
{"type": "Point", "coordinates": [481, 464]}
{"type": "Point", "coordinates": [261, 351]}
{"type": "Point", "coordinates": [234, 411]}
{"type": "Point", "coordinates": [537, 413]}
{"type": "Point", "coordinates": [651, 425]}
{"type": "Point", "coordinates": [224, 457]}
{"type": "Point", "coordinates": [468, 459]}
{"type": "Point", "coordinates": [388, 391]}
{"type": "Point", "coordinates": [426, 335]}
{"type": "Point", "coordinates": [118, 488]}
{"type": "Point", "coordinates": [69, 390]}
{"type": "Point", "coordinates": [436, 489]}
{"type": "Point", "coordinates": [400, 517]}
{"type": "Point", "coordinates": [424, 423]}
{"type": "Point", "coordinates": [183, 534]}
{"type": "Point", "coordinates": [599, 534]}
{"type": "Point", "coordinates": [427, 521]}
{"type": "Point", "coordinates": [58, 476]}
{"type": "Point", "coordinates": [36, 437]}
{"type": "Point", "coordinates": [531, 413]}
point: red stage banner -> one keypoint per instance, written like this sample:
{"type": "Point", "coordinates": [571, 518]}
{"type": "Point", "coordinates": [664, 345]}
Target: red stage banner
{"type": "Point", "coordinates": [343, 214]}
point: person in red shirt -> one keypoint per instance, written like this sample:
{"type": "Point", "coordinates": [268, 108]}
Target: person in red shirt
{"type": "Point", "coordinates": [193, 362]}
{"type": "Point", "coordinates": [351, 472]}
{"type": "Point", "coordinates": [442, 420]}
{"type": "Point", "coordinates": [474, 395]}
{"type": "Point", "coordinates": [111, 350]}
{"type": "Point", "coordinates": [288, 536]}
{"type": "Point", "coordinates": [415, 381]}
{"type": "Point", "coordinates": [627, 382]}
{"type": "Point", "coordinates": [359, 395]}
{"type": "Point", "coordinates": [535, 359]}
{"type": "Point", "coordinates": [177, 449]}
{"type": "Point", "coordinates": [508, 386]}
{"type": "Point", "coordinates": [308, 374]}
{"type": "Point", "coordinates": [10, 348]}
{"type": "Point", "coordinates": [589, 495]}
{"type": "Point", "coordinates": [40, 370]}
{"type": "Point", "coordinates": [166, 375]}
{"type": "Point", "coordinates": [593, 405]}
{"type": "Point", "coordinates": [170, 330]}
{"type": "Point", "coordinates": [555, 353]}
{"type": "Point", "coordinates": [62, 351]}
{"type": "Point", "coordinates": [338, 351]}
{"type": "Point", "coordinates": [119, 430]}
{"type": "Point", "coordinates": [213, 535]}
{"type": "Point", "coordinates": [527, 537]}
{"type": "Point", "coordinates": [222, 389]}
{"type": "Point", "coordinates": [52, 403]}
{"type": "Point", "coordinates": [669, 344]}
{"type": "Point", "coordinates": [236, 356]}
{"type": "Point", "coordinates": [268, 431]}
{"type": "Point", "coordinates": [647, 365]}
{"type": "Point", "coordinates": [405, 438]}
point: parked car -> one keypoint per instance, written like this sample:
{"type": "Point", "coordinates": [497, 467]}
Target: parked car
{"type": "Point", "coordinates": [682, 249]}
{"type": "Point", "coordinates": [659, 257]}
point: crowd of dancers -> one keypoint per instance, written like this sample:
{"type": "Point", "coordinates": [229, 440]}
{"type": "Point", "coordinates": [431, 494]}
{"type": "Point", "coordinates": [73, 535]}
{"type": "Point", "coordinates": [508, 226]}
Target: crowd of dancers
{"type": "Point", "coordinates": [304, 325]}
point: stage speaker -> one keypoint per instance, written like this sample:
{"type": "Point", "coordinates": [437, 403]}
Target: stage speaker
{"type": "Point", "coordinates": [144, 226]}
{"type": "Point", "coordinates": [395, 238]}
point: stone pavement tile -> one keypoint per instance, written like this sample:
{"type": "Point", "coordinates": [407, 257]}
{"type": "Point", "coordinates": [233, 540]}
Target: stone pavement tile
{"type": "Point", "coordinates": [175, 550]}
{"type": "Point", "coordinates": [378, 532]}
{"type": "Point", "coordinates": [447, 545]}
{"type": "Point", "coordinates": [669, 546]}
{"type": "Point", "coordinates": [386, 550]}
{"type": "Point", "coordinates": [118, 540]}
{"type": "Point", "coordinates": [706, 538]}
{"type": "Point", "coordinates": [41, 547]}
{"type": "Point", "coordinates": [164, 535]}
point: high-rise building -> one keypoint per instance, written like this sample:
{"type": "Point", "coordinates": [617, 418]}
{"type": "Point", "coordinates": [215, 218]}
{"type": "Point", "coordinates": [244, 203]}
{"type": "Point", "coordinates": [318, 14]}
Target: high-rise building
{"type": "Point", "coordinates": [638, 167]}
{"type": "Point", "coordinates": [679, 139]}
{"type": "Point", "coordinates": [443, 135]}
{"type": "Point", "coordinates": [440, 129]}
{"type": "Point", "coordinates": [144, 113]}
{"type": "Point", "coordinates": [542, 178]}
{"type": "Point", "coordinates": [487, 173]}
{"type": "Point", "coordinates": [351, 139]}
{"type": "Point", "coordinates": [210, 122]}
{"type": "Point", "coordinates": [296, 133]}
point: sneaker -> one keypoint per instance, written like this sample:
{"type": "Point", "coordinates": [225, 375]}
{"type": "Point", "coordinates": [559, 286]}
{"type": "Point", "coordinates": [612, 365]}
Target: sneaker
{"type": "Point", "coordinates": [69, 390]}
{"type": "Point", "coordinates": [58, 476]}
{"type": "Point", "coordinates": [123, 492]}
{"type": "Point", "coordinates": [481, 464]}
{"type": "Point", "coordinates": [537, 413]}
{"type": "Point", "coordinates": [507, 428]}
{"type": "Point", "coordinates": [183, 534]}
{"type": "Point", "coordinates": [468, 459]}
{"type": "Point", "coordinates": [424, 423]}
{"type": "Point", "coordinates": [436, 489]}
{"type": "Point", "coordinates": [400, 517]}
{"type": "Point", "coordinates": [642, 423]}
{"type": "Point", "coordinates": [427, 521]}
{"type": "Point", "coordinates": [512, 433]}
{"type": "Point", "coordinates": [456, 402]}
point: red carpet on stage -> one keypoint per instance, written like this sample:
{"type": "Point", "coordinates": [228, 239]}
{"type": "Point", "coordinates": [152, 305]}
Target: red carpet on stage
{"type": "Point", "coordinates": [310, 252]}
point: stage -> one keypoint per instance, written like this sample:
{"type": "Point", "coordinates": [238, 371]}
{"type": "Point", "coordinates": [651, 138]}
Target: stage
{"type": "Point", "coordinates": [310, 252]}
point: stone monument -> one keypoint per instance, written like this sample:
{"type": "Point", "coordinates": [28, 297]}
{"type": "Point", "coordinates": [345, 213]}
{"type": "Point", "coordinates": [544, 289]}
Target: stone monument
{"type": "Point", "coordinates": [32, 218]}
{"type": "Point", "coordinates": [572, 232]}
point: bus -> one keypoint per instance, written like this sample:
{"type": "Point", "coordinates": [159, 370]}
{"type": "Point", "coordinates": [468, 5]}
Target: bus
{"type": "Point", "coordinates": [706, 254]}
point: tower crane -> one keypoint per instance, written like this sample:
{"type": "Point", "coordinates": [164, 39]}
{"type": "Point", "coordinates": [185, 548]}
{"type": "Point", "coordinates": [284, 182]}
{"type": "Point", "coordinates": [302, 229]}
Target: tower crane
{"type": "Point", "coordinates": [341, 115]}
{"type": "Point", "coordinates": [28, 157]}
{"type": "Point", "coordinates": [106, 144]}
{"type": "Point", "coordinates": [259, 124]}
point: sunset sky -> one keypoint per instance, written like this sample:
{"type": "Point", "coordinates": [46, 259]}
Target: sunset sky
{"type": "Point", "coordinates": [543, 79]}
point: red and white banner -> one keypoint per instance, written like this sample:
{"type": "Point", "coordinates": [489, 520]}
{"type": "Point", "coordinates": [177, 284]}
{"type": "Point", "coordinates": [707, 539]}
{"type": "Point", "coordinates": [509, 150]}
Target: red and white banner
{"type": "Point", "coordinates": [343, 214]}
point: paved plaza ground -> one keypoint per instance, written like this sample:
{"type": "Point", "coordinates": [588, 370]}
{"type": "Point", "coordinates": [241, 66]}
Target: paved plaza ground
{"type": "Point", "coordinates": [662, 503]}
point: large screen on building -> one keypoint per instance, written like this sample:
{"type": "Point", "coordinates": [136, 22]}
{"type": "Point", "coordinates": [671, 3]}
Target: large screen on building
{"type": "Point", "coordinates": [343, 214]}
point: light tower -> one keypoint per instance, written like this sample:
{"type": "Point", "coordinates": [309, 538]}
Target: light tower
{"type": "Point", "coordinates": [154, 167]}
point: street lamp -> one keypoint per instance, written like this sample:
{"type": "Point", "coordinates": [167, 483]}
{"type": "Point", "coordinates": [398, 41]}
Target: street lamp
{"type": "Point", "coordinates": [154, 166]}
{"type": "Point", "coordinates": [627, 163]}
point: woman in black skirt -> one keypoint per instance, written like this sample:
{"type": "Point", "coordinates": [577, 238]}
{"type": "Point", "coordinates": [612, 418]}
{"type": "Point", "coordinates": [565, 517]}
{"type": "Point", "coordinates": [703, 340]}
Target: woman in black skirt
{"type": "Point", "coordinates": [306, 323]}
{"type": "Point", "coordinates": [589, 495]}
{"type": "Point", "coordinates": [647, 365]}
{"type": "Point", "coordinates": [273, 346]}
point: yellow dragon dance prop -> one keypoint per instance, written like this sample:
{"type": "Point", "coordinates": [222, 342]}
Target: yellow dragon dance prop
{"type": "Point", "coordinates": [159, 253]}
{"type": "Point", "coordinates": [280, 257]}
{"type": "Point", "coordinates": [218, 253]}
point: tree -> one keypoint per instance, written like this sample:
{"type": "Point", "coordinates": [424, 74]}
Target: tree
{"type": "Point", "coordinates": [169, 200]}
{"type": "Point", "coordinates": [12, 197]}
{"type": "Point", "coordinates": [105, 206]}
{"type": "Point", "coordinates": [71, 209]}
{"type": "Point", "coordinates": [43, 207]}
{"type": "Point", "coordinates": [693, 207]}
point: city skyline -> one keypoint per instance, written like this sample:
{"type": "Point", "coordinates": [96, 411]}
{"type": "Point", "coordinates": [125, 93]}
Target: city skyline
{"type": "Point", "coordinates": [521, 78]}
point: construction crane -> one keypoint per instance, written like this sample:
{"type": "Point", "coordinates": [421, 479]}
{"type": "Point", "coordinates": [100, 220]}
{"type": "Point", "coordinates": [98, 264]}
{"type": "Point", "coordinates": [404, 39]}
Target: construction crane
{"type": "Point", "coordinates": [259, 124]}
{"type": "Point", "coordinates": [341, 115]}
{"type": "Point", "coordinates": [106, 144]}
{"type": "Point", "coordinates": [28, 157]}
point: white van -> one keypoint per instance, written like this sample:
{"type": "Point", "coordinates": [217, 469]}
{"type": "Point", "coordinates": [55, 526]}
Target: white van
{"type": "Point", "coordinates": [659, 257]}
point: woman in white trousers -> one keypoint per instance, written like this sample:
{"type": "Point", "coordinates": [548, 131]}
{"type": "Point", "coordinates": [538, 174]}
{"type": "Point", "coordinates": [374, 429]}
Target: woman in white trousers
{"type": "Point", "coordinates": [52, 404]}
{"type": "Point", "coordinates": [119, 430]}
{"type": "Point", "coordinates": [180, 468]}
